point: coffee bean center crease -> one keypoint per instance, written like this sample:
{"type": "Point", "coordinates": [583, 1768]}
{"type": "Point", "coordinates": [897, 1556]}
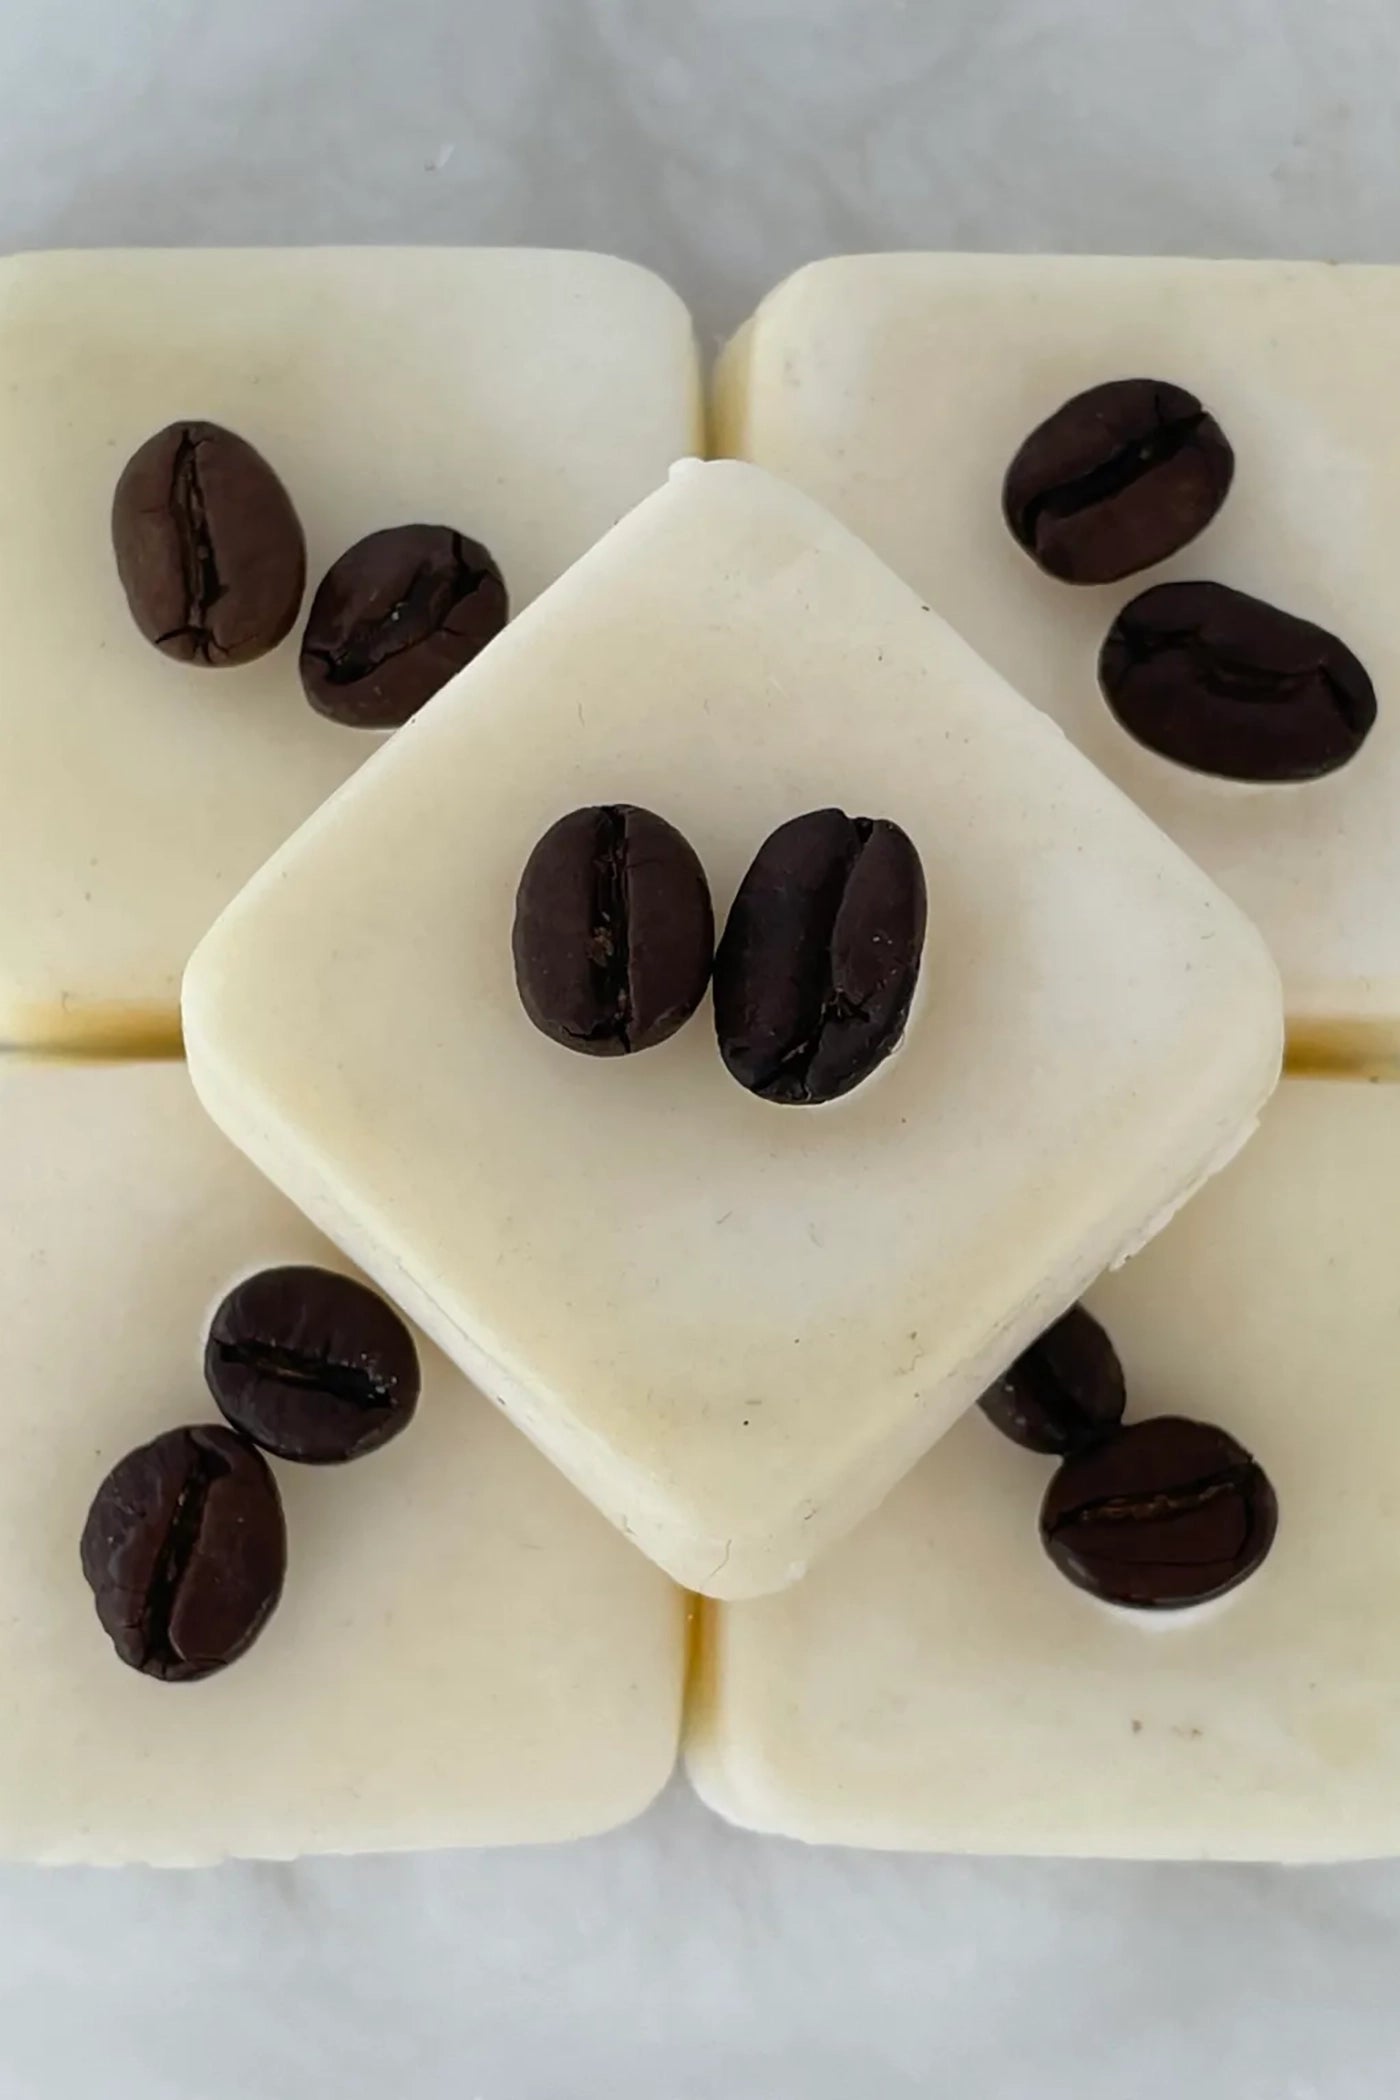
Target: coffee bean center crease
{"type": "Point", "coordinates": [424, 608]}
{"type": "Point", "coordinates": [1129, 464]}
{"type": "Point", "coordinates": [199, 564]}
{"type": "Point", "coordinates": [835, 1008]}
{"type": "Point", "coordinates": [1242, 678]}
{"type": "Point", "coordinates": [351, 1383]}
{"type": "Point", "coordinates": [820, 955]}
{"type": "Point", "coordinates": [1163, 1507]}
{"type": "Point", "coordinates": [608, 947]}
{"type": "Point", "coordinates": [176, 1553]}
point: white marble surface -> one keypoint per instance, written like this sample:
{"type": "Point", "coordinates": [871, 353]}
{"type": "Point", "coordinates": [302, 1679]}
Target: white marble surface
{"type": "Point", "coordinates": [723, 142]}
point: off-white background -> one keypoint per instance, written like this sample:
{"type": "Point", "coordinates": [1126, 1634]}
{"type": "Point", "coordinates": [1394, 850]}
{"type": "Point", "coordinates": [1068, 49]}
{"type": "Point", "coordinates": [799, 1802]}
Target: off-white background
{"type": "Point", "coordinates": [722, 143]}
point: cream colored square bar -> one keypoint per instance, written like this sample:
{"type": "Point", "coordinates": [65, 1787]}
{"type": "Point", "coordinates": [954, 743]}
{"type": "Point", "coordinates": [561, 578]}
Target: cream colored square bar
{"type": "Point", "coordinates": [896, 388]}
{"type": "Point", "coordinates": [936, 1684]}
{"type": "Point", "coordinates": [464, 1654]}
{"type": "Point", "coordinates": [526, 398]}
{"type": "Point", "coordinates": [734, 1325]}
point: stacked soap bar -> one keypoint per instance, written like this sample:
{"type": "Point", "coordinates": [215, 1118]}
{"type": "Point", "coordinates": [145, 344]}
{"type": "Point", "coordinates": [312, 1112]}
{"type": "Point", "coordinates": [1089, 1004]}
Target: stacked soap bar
{"type": "Point", "coordinates": [898, 390]}
{"type": "Point", "coordinates": [935, 1683]}
{"type": "Point", "coordinates": [733, 1320]}
{"type": "Point", "coordinates": [464, 1652]}
{"type": "Point", "coordinates": [520, 400]}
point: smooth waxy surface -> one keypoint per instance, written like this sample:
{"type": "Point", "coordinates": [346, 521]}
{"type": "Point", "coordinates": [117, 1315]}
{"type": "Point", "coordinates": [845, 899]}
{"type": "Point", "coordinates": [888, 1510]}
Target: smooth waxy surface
{"type": "Point", "coordinates": [464, 1653]}
{"type": "Point", "coordinates": [937, 1683]}
{"type": "Point", "coordinates": [734, 1325]}
{"type": "Point", "coordinates": [545, 393]}
{"type": "Point", "coordinates": [896, 388]}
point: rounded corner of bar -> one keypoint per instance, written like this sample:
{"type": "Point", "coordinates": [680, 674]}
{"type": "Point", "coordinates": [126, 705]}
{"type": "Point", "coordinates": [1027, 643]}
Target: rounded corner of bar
{"type": "Point", "coordinates": [1239, 1022]}
{"type": "Point", "coordinates": [741, 356]}
{"type": "Point", "coordinates": [1261, 997]}
{"type": "Point", "coordinates": [201, 990]}
{"type": "Point", "coordinates": [213, 984]}
{"type": "Point", "coordinates": [815, 274]}
{"type": "Point", "coordinates": [625, 1805]}
{"type": "Point", "coordinates": [736, 1787]}
{"type": "Point", "coordinates": [209, 1005]}
{"type": "Point", "coordinates": [649, 282]}
{"type": "Point", "coordinates": [731, 1572]}
{"type": "Point", "coordinates": [198, 981]}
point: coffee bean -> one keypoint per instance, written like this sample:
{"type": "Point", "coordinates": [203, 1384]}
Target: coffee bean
{"type": "Point", "coordinates": [1228, 685]}
{"type": "Point", "coordinates": [399, 614]}
{"type": "Point", "coordinates": [820, 955]}
{"type": "Point", "coordinates": [1062, 1394]}
{"type": "Point", "coordinates": [614, 931]}
{"type": "Point", "coordinates": [1117, 479]}
{"type": "Point", "coordinates": [1166, 1513]}
{"type": "Point", "coordinates": [209, 550]}
{"type": "Point", "coordinates": [312, 1365]}
{"type": "Point", "coordinates": [185, 1551]}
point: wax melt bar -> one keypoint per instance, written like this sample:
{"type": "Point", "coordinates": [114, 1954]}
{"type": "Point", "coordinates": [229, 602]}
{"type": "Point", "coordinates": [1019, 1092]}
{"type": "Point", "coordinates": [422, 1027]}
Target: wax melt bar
{"type": "Point", "coordinates": [523, 400]}
{"type": "Point", "coordinates": [736, 1320]}
{"type": "Point", "coordinates": [937, 1684]}
{"type": "Point", "coordinates": [463, 1654]}
{"type": "Point", "coordinates": [899, 389]}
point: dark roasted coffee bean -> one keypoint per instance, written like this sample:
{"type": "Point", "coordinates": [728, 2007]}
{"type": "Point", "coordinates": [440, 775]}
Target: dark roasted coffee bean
{"type": "Point", "coordinates": [614, 931]}
{"type": "Point", "coordinates": [399, 614]}
{"type": "Point", "coordinates": [820, 956]}
{"type": "Point", "coordinates": [1228, 685]}
{"type": "Point", "coordinates": [1117, 479]}
{"type": "Point", "coordinates": [185, 1551]}
{"type": "Point", "coordinates": [312, 1365]}
{"type": "Point", "coordinates": [1166, 1513]}
{"type": "Point", "coordinates": [209, 550]}
{"type": "Point", "coordinates": [1064, 1393]}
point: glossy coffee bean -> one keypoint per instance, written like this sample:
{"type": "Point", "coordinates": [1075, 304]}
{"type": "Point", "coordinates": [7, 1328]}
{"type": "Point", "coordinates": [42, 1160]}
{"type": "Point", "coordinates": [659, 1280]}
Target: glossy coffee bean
{"type": "Point", "coordinates": [394, 619]}
{"type": "Point", "coordinates": [1062, 1394]}
{"type": "Point", "coordinates": [820, 956]}
{"type": "Point", "coordinates": [1163, 1514]}
{"type": "Point", "coordinates": [1228, 685]}
{"type": "Point", "coordinates": [312, 1365]}
{"type": "Point", "coordinates": [185, 1551]}
{"type": "Point", "coordinates": [209, 549]}
{"type": "Point", "coordinates": [1119, 478]}
{"type": "Point", "coordinates": [614, 931]}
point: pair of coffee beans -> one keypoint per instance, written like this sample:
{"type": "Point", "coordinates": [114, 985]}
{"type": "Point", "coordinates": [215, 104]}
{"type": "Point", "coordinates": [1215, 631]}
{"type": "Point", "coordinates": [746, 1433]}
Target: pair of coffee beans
{"type": "Point", "coordinates": [614, 944]}
{"type": "Point", "coordinates": [212, 558]}
{"type": "Point", "coordinates": [1156, 1515]}
{"type": "Point", "coordinates": [1121, 477]}
{"type": "Point", "coordinates": [185, 1544]}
